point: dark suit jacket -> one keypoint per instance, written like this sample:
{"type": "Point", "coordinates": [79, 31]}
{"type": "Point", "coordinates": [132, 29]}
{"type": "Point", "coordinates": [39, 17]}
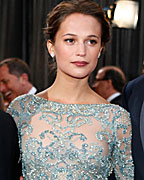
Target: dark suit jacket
{"type": "Point", "coordinates": [117, 100]}
{"type": "Point", "coordinates": [9, 149]}
{"type": "Point", "coordinates": [133, 97]}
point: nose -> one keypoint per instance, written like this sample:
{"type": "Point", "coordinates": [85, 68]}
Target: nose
{"type": "Point", "coordinates": [81, 49]}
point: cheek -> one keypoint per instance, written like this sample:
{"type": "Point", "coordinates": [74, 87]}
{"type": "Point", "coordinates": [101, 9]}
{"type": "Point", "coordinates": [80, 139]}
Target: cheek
{"type": "Point", "coordinates": [100, 86]}
{"type": "Point", "coordinates": [13, 83]}
{"type": "Point", "coordinates": [93, 53]}
{"type": "Point", "coordinates": [94, 62]}
{"type": "Point", "coordinates": [10, 83]}
{"type": "Point", "coordinates": [97, 86]}
{"type": "Point", "coordinates": [63, 52]}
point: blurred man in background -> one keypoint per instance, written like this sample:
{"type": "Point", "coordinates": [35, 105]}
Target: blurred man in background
{"type": "Point", "coordinates": [109, 83]}
{"type": "Point", "coordinates": [14, 79]}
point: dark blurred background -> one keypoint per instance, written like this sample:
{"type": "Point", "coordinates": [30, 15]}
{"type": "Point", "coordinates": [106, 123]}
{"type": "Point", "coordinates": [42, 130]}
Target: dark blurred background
{"type": "Point", "coordinates": [21, 24]}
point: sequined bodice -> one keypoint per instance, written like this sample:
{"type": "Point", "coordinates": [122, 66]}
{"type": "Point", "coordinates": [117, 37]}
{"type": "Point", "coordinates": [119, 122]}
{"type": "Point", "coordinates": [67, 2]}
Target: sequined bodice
{"type": "Point", "coordinates": [72, 141]}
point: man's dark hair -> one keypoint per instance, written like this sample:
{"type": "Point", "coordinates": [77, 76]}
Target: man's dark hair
{"type": "Point", "coordinates": [16, 66]}
{"type": "Point", "coordinates": [118, 81]}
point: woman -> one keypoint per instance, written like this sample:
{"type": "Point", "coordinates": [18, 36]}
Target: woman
{"type": "Point", "coordinates": [68, 131]}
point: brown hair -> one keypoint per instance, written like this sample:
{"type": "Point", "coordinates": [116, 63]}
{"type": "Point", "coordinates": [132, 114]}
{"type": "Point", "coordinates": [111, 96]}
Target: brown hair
{"type": "Point", "coordinates": [66, 8]}
{"type": "Point", "coordinates": [16, 66]}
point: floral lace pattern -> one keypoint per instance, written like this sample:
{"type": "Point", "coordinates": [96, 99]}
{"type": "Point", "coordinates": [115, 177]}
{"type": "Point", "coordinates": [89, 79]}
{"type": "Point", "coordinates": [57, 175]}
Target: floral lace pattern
{"type": "Point", "coordinates": [72, 141]}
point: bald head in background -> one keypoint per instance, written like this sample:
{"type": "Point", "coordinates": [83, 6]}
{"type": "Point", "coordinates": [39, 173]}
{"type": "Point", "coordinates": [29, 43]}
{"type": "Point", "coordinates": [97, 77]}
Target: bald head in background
{"type": "Point", "coordinates": [109, 83]}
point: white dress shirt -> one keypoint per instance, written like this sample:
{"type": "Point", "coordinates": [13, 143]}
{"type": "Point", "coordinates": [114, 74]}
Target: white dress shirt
{"type": "Point", "coordinates": [33, 90]}
{"type": "Point", "coordinates": [113, 96]}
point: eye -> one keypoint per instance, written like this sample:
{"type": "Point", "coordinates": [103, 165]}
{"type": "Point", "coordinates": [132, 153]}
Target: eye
{"type": "Point", "coordinates": [5, 81]}
{"type": "Point", "coordinates": [69, 41]}
{"type": "Point", "coordinates": [92, 42]}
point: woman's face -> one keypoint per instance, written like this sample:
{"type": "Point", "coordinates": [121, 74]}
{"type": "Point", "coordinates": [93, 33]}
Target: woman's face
{"type": "Point", "coordinates": [77, 45]}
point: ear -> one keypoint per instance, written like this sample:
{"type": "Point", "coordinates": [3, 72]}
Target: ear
{"type": "Point", "coordinates": [24, 78]}
{"type": "Point", "coordinates": [101, 49]}
{"type": "Point", "coordinates": [100, 52]}
{"type": "Point", "coordinates": [50, 47]}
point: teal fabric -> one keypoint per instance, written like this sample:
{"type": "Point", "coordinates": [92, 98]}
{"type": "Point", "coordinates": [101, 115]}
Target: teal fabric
{"type": "Point", "coordinates": [72, 141]}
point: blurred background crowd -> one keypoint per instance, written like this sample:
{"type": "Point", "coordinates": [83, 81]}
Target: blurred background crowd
{"type": "Point", "coordinates": [21, 36]}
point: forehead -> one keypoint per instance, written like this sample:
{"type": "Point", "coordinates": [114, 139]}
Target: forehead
{"type": "Point", "coordinates": [80, 23]}
{"type": "Point", "coordinates": [4, 69]}
{"type": "Point", "coordinates": [4, 73]}
{"type": "Point", "coordinates": [101, 73]}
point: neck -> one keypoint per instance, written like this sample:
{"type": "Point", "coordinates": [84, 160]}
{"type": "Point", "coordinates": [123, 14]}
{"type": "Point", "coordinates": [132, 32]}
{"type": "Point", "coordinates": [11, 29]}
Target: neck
{"type": "Point", "coordinates": [67, 89]}
{"type": "Point", "coordinates": [28, 88]}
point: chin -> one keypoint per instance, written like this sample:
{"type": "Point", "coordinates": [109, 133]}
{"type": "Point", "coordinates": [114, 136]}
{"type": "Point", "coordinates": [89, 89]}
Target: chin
{"type": "Point", "coordinates": [79, 76]}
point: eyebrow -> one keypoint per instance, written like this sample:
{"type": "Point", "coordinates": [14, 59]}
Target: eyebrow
{"type": "Point", "coordinates": [70, 34]}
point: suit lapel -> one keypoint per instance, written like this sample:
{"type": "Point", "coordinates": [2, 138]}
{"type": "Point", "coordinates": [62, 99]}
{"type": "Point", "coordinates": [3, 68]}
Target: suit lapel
{"type": "Point", "coordinates": [142, 125]}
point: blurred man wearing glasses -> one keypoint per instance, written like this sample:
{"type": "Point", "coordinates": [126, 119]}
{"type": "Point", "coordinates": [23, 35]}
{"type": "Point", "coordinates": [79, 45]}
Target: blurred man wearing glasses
{"type": "Point", "coordinates": [109, 83]}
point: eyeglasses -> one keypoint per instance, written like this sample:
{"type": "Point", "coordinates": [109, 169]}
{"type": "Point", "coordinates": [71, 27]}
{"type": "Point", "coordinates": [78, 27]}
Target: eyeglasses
{"type": "Point", "coordinates": [96, 80]}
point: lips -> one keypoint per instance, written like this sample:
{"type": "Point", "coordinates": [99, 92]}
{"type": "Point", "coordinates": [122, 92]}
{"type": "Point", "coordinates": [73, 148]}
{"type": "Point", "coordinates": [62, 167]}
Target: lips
{"type": "Point", "coordinates": [80, 63]}
{"type": "Point", "coordinates": [7, 94]}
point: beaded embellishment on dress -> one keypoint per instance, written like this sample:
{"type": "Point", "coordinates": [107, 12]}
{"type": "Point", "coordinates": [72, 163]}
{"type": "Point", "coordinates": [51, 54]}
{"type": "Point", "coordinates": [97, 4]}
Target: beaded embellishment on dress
{"type": "Point", "coordinates": [72, 141]}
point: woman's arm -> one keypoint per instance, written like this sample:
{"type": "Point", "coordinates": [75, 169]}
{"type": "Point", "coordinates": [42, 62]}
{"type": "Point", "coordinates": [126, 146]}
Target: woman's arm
{"type": "Point", "coordinates": [122, 155]}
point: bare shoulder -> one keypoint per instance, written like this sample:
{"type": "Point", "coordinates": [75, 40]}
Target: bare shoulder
{"type": "Point", "coordinates": [97, 99]}
{"type": "Point", "coordinates": [102, 100]}
{"type": "Point", "coordinates": [43, 94]}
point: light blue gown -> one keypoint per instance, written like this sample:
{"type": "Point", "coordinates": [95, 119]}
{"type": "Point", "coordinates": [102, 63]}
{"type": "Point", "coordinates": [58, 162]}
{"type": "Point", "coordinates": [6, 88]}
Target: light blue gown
{"type": "Point", "coordinates": [72, 141]}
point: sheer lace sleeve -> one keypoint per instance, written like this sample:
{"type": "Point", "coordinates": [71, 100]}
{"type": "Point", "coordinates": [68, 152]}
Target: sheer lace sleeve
{"type": "Point", "coordinates": [122, 156]}
{"type": "Point", "coordinates": [15, 109]}
{"type": "Point", "coordinates": [18, 107]}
